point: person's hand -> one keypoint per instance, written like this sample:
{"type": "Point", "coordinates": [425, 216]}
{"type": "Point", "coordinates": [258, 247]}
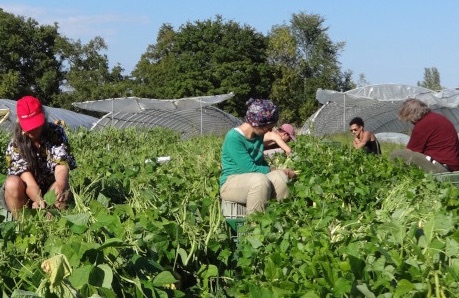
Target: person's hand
{"type": "Point", "coordinates": [62, 192]}
{"type": "Point", "coordinates": [290, 173]}
{"type": "Point", "coordinates": [60, 205]}
{"type": "Point", "coordinates": [39, 204]}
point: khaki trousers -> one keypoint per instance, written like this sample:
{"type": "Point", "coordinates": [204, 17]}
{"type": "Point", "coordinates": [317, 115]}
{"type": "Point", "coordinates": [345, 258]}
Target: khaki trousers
{"type": "Point", "coordinates": [255, 189]}
{"type": "Point", "coordinates": [418, 159]}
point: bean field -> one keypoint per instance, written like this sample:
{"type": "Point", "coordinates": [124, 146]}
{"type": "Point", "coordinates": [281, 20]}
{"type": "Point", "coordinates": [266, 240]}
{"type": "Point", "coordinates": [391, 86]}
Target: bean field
{"type": "Point", "coordinates": [355, 225]}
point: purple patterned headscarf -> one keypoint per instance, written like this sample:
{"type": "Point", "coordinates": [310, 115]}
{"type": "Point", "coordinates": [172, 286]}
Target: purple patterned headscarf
{"type": "Point", "coordinates": [261, 112]}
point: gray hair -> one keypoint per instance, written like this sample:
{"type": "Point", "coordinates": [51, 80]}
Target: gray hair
{"type": "Point", "coordinates": [412, 110]}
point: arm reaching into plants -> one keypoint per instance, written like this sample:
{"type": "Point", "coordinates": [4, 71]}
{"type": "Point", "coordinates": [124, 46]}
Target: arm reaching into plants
{"type": "Point", "coordinates": [273, 137]}
{"type": "Point", "coordinates": [61, 186]}
{"type": "Point", "coordinates": [32, 190]}
{"type": "Point", "coordinates": [290, 173]}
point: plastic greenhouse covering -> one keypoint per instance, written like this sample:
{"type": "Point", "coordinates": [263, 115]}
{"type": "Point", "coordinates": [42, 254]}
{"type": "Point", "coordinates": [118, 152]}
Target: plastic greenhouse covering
{"type": "Point", "coordinates": [393, 137]}
{"type": "Point", "coordinates": [188, 116]}
{"type": "Point", "coordinates": [72, 119]}
{"type": "Point", "coordinates": [378, 106]}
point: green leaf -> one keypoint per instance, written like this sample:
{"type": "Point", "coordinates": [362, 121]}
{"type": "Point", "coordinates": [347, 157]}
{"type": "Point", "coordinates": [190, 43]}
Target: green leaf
{"type": "Point", "coordinates": [357, 266]}
{"type": "Point", "coordinates": [101, 276]}
{"type": "Point", "coordinates": [207, 271]}
{"type": "Point", "coordinates": [379, 264]}
{"type": "Point", "coordinates": [403, 287]}
{"type": "Point", "coordinates": [310, 295]}
{"type": "Point", "coordinates": [80, 219]}
{"type": "Point", "coordinates": [270, 270]}
{"type": "Point", "coordinates": [365, 291]}
{"type": "Point", "coordinates": [107, 275]}
{"type": "Point", "coordinates": [106, 293]}
{"type": "Point", "coordinates": [50, 197]}
{"type": "Point", "coordinates": [80, 276]}
{"type": "Point", "coordinates": [183, 254]}
{"type": "Point", "coordinates": [78, 229]}
{"type": "Point", "coordinates": [101, 198]}
{"type": "Point", "coordinates": [259, 291]}
{"type": "Point", "coordinates": [164, 278]}
{"type": "Point", "coordinates": [454, 268]}
{"type": "Point", "coordinates": [341, 287]}
{"type": "Point", "coordinates": [284, 245]}
{"type": "Point", "coordinates": [255, 242]}
{"type": "Point", "coordinates": [161, 293]}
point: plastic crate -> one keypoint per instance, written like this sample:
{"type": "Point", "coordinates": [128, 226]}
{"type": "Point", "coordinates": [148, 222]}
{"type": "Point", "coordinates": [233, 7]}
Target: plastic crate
{"type": "Point", "coordinates": [233, 210]}
{"type": "Point", "coordinates": [452, 177]}
{"type": "Point", "coordinates": [234, 214]}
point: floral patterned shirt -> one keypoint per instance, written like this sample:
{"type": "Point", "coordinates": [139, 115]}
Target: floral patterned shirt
{"type": "Point", "coordinates": [54, 150]}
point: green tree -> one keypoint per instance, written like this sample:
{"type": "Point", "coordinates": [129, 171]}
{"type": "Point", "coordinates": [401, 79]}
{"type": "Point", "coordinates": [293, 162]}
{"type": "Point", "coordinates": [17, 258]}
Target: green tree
{"type": "Point", "coordinates": [431, 79]}
{"type": "Point", "coordinates": [305, 59]}
{"type": "Point", "coordinates": [29, 58]}
{"type": "Point", "coordinates": [282, 53]}
{"type": "Point", "coordinates": [154, 73]}
{"type": "Point", "coordinates": [88, 76]}
{"type": "Point", "coordinates": [206, 58]}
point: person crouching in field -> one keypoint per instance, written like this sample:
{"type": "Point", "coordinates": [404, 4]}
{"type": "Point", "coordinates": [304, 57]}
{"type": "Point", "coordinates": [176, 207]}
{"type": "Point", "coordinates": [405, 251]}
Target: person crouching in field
{"type": "Point", "coordinates": [433, 144]}
{"type": "Point", "coordinates": [363, 139]}
{"type": "Point", "coordinates": [38, 159]}
{"type": "Point", "coordinates": [276, 141]}
{"type": "Point", "coordinates": [246, 177]}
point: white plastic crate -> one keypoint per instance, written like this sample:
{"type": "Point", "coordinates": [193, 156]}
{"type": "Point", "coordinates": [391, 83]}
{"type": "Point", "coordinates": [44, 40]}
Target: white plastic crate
{"type": "Point", "coordinates": [234, 214]}
{"type": "Point", "coordinates": [452, 177]}
{"type": "Point", "coordinates": [233, 210]}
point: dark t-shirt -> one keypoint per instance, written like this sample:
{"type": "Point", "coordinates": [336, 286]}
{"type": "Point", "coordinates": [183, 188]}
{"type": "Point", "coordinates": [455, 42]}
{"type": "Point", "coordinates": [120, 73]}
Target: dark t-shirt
{"type": "Point", "coordinates": [434, 135]}
{"type": "Point", "coordinates": [372, 147]}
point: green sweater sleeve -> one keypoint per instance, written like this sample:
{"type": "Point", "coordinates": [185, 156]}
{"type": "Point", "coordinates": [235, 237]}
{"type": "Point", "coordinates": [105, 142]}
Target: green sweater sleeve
{"type": "Point", "coordinates": [241, 155]}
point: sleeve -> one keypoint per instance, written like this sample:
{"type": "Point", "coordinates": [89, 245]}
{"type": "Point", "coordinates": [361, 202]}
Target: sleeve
{"type": "Point", "coordinates": [238, 153]}
{"type": "Point", "coordinates": [60, 151]}
{"type": "Point", "coordinates": [15, 163]}
{"type": "Point", "coordinates": [417, 141]}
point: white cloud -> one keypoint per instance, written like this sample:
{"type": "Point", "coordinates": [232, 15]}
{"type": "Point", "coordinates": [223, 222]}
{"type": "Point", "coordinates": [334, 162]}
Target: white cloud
{"type": "Point", "coordinates": [76, 24]}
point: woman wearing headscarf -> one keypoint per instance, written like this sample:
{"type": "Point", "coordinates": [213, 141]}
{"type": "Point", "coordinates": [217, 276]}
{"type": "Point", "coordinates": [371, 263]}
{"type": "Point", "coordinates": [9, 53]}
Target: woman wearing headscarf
{"type": "Point", "coordinates": [38, 159]}
{"type": "Point", "coordinates": [246, 177]}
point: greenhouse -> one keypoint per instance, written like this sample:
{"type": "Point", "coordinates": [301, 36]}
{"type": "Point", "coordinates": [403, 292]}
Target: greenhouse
{"type": "Point", "coordinates": [72, 119]}
{"type": "Point", "coordinates": [377, 105]}
{"type": "Point", "coordinates": [189, 116]}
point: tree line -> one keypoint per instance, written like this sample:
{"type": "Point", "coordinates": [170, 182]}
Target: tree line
{"type": "Point", "coordinates": [208, 57]}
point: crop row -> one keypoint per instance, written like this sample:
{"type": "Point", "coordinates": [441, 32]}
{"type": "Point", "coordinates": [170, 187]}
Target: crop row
{"type": "Point", "coordinates": [354, 225]}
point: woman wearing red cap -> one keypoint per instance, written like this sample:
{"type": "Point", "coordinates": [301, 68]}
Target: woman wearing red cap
{"type": "Point", "coordinates": [246, 177]}
{"type": "Point", "coordinates": [38, 159]}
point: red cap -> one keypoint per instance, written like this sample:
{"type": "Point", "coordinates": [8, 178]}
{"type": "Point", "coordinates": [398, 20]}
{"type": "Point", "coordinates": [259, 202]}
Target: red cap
{"type": "Point", "coordinates": [29, 113]}
{"type": "Point", "coordinates": [288, 128]}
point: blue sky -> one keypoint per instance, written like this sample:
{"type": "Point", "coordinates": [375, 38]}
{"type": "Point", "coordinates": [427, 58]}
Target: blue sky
{"type": "Point", "coordinates": [388, 41]}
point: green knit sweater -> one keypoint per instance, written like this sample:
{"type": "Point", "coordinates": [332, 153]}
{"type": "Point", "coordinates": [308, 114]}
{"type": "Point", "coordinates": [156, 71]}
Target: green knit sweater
{"type": "Point", "coordinates": [241, 155]}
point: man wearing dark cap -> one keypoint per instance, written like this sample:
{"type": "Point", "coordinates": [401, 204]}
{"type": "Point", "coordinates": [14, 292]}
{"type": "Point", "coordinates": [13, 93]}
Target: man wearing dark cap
{"type": "Point", "coordinates": [276, 141]}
